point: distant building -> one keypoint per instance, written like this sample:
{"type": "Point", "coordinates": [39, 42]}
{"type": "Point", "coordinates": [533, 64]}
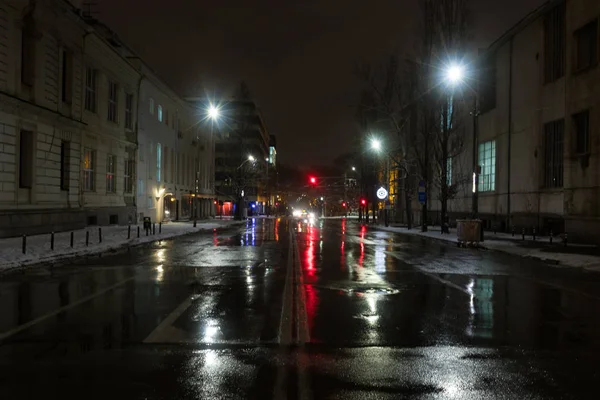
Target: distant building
{"type": "Point", "coordinates": [539, 123]}
{"type": "Point", "coordinates": [241, 156]}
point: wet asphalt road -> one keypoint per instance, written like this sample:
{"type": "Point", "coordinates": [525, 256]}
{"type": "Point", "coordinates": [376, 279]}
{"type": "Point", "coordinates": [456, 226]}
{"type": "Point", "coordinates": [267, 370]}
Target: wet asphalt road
{"type": "Point", "coordinates": [281, 309]}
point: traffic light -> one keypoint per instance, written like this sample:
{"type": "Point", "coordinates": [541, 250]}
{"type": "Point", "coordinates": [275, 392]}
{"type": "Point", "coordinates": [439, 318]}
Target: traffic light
{"type": "Point", "coordinates": [344, 204]}
{"type": "Point", "coordinates": [363, 202]}
{"type": "Point", "coordinates": [312, 180]}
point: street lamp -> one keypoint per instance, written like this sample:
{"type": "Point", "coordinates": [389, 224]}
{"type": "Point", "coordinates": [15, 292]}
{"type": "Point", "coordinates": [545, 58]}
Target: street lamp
{"type": "Point", "coordinates": [353, 168]}
{"type": "Point", "coordinates": [376, 144]}
{"type": "Point", "coordinates": [455, 74]}
{"type": "Point", "coordinates": [213, 112]}
{"type": "Point", "coordinates": [250, 157]}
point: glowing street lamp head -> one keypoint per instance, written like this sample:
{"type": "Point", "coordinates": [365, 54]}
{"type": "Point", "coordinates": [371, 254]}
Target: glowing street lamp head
{"type": "Point", "coordinates": [455, 74]}
{"type": "Point", "coordinates": [250, 158]}
{"type": "Point", "coordinates": [353, 168]}
{"type": "Point", "coordinates": [376, 144]}
{"type": "Point", "coordinates": [213, 112]}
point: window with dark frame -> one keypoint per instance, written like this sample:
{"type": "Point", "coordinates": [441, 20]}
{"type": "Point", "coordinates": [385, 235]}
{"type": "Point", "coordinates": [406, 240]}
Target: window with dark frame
{"type": "Point", "coordinates": [487, 84]}
{"type": "Point", "coordinates": [110, 174]}
{"type": "Point", "coordinates": [66, 77]}
{"type": "Point", "coordinates": [581, 121]}
{"type": "Point", "coordinates": [128, 176]}
{"type": "Point", "coordinates": [112, 101]}
{"type": "Point", "coordinates": [554, 133]}
{"type": "Point", "coordinates": [28, 52]}
{"type": "Point", "coordinates": [128, 111]}
{"type": "Point", "coordinates": [65, 161]}
{"type": "Point", "coordinates": [554, 43]}
{"type": "Point", "coordinates": [26, 159]}
{"type": "Point", "coordinates": [586, 46]}
{"type": "Point", "coordinates": [91, 78]}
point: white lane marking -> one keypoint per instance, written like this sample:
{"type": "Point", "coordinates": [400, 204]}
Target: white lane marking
{"type": "Point", "coordinates": [51, 314]}
{"type": "Point", "coordinates": [433, 276]}
{"type": "Point", "coordinates": [156, 336]}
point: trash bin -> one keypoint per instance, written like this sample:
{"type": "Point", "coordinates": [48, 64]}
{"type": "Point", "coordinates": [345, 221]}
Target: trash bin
{"type": "Point", "coordinates": [147, 223]}
{"type": "Point", "coordinates": [468, 231]}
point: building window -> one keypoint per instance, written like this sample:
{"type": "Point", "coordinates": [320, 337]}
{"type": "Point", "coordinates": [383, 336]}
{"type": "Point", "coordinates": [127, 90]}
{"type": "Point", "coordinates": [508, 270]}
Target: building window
{"type": "Point", "coordinates": [128, 111]}
{"type": "Point", "coordinates": [151, 105]}
{"type": "Point", "coordinates": [582, 132]}
{"type": "Point", "coordinates": [158, 161]}
{"type": "Point", "coordinates": [150, 202]}
{"type": "Point", "coordinates": [160, 113]}
{"type": "Point", "coordinates": [89, 165]}
{"type": "Point", "coordinates": [66, 77]}
{"type": "Point", "coordinates": [487, 163]}
{"type": "Point", "coordinates": [449, 171]}
{"type": "Point", "coordinates": [167, 169]}
{"type": "Point", "coordinates": [140, 187]}
{"type": "Point", "coordinates": [28, 52]}
{"type": "Point", "coordinates": [554, 133]}
{"type": "Point", "coordinates": [26, 159]}
{"type": "Point", "coordinates": [65, 162]}
{"type": "Point", "coordinates": [112, 101]}
{"type": "Point", "coordinates": [586, 46]}
{"type": "Point", "coordinates": [91, 80]}
{"type": "Point", "coordinates": [487, 84]}
{"type": "Point", "coordinates": [554, 43]}
{"type": "Point", "coordinates": [128, 176]}
{"type": "Point", "coordinates": [110, 174]}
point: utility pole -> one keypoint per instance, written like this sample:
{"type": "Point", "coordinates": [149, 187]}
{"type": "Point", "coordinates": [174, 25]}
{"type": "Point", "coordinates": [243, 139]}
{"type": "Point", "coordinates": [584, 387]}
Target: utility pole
{"type": "Point", "coordinates": [475, 199]}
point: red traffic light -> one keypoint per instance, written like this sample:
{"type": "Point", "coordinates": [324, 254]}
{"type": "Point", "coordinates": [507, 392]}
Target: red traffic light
{"type": "Point", "coordinates": [344, 204]}
{"type": "Point", "coordinates": [363, 202]}
{"type": "Point", "coordinates": [313, 180]}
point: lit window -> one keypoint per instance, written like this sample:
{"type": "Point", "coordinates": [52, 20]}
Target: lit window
{"type": "Point", "coordinates": [158, 161]}
{"type": "Point", "coordinates": [89, 164]}
{"type": "Point", "coordinates": [487, 162]}
{"type": "Point", "coordinates": [160, 113]}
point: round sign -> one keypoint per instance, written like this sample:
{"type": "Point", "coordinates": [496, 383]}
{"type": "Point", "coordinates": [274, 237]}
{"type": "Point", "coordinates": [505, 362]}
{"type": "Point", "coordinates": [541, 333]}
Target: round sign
{"type": "Point", "coordinates": [382, 193]}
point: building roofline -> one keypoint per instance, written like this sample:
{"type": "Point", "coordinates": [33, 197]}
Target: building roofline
{"type": "Point", "coordinates": [521, 24]}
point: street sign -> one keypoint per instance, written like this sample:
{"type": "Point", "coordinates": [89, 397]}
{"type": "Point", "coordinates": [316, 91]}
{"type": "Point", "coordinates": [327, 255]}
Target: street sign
{"type": "Point", "coordinates": [382, 193]}
{"type": "Point", "coordinates": [422, 193]}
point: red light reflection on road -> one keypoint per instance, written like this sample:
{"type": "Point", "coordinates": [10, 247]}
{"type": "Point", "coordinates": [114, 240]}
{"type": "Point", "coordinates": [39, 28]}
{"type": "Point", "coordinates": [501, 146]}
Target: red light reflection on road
{"type": "Point", "coordinates": [277, 229]}
{"type": "Point", "coordinates": [363, 231]}
{"type": "Point", "coordinates": [312, 301]}
{"type": "Point", "coordinates": [309, 253]}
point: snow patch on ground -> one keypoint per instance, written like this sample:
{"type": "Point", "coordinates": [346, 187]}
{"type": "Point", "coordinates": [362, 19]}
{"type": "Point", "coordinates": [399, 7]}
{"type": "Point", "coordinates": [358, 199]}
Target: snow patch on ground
{"type": "Point", "coordinates": [38, 249]}
{"type": "Point", "coordinates": [507, 243]}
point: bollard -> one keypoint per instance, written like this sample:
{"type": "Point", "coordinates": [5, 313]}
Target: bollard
{"type": "Point", "coordinates": [566, 239]}
{"type": "Point", "coordinates": [194, 222]}
{"type": "Point", "coordinates": [138, 231]}
{"type": "Point", "coordinates": [513, 231]}
{"type": "Point", "coordinates": [24, 244]}
{"type": "Point", "coordinates": [154, 228]}
{"type": "Point", "coordinates": [99, 235]}
{"type": "Point", "coordinates": [128, 231]}
{"type": "Point", "coordinates": [160, 227]}
{"type": "Point", "coordinates": [87, 238]}
{"type": "Point", "coordinates": [523, 233]}
{"type": "Point", "coordinates": [551, 236]}
{"type": "Point", "coordinates": [72, 238]}
{"type": "Point", "coordinates": [51, 240]}
{"type": "Point", "coordinates": [534, 234]}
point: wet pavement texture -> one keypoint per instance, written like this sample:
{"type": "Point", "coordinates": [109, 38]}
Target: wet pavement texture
{"type": "Point", "coordinates": [281, 309]}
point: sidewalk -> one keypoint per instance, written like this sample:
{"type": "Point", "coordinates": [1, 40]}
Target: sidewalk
{"type": "Point", "coordinates": [113, 237]}
{"type": "Point", "coordinates": [574, 255]}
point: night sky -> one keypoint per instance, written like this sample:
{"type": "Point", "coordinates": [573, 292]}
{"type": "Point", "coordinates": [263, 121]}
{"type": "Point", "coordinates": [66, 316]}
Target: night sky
{"type": "Point", "coordinates": [298, 57]}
